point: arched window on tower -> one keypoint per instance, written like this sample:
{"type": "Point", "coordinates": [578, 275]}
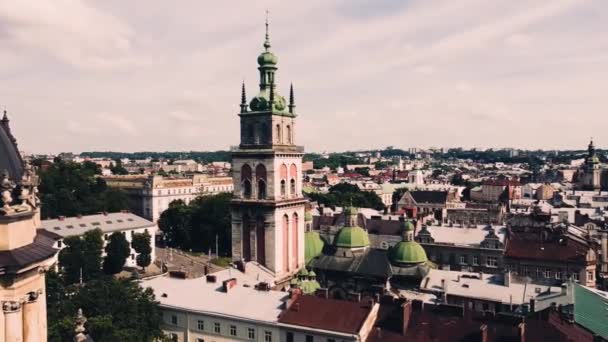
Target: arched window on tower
{"type": "Point", "coordinates": [293, 175]}
{"type": "Point", "coordinates": [289, 140]}
{"type": "Point", "coordinates": [283, 176]}
{"type": "Point", "coordinates": [246, 181]}
{"type": "Point", "coordinates": [278, 134]}
{"type": "Point", "coordinates": [295, 240]}
{"type": "Point", "coordinates": [260, 175]}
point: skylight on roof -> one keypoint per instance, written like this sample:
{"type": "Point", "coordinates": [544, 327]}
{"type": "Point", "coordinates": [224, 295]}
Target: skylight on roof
{"type": "Point", "coordinates": [69, 226]}
{"type": "Point", "coordinates": [83, 225]}
{"type": "Point", "coordinates": [119, 221]}
{"type": "Point", "coordinates": [109, 222]}
{"type": "Point", "coordinates": [96, 223]}
{"type": "Point", "coordinates": [129, 219]}
{"type": "Point", "coordinates": [57, 228]}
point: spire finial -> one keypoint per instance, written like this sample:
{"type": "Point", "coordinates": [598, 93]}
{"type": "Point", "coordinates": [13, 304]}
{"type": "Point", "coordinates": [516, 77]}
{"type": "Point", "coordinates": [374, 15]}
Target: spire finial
{"type": "Point", "coordinates": [292, 101]}
{"type": "Point", "coordinates": [243, 98]}
{"type": "Point", "coordinates": [5, 116]}
{"type": "Point", "coordinates": [267, 41]}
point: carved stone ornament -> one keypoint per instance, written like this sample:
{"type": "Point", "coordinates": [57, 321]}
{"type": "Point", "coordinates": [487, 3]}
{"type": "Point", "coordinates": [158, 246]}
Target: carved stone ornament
{"type": "Point", "coordinates": [11, 306]}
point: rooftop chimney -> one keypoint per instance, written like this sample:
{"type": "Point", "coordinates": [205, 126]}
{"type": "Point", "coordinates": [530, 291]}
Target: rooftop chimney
{"type": "Point", "coordinates": [228, 284]}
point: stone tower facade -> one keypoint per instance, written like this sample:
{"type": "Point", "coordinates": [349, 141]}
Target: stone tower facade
{"type": "Point", "coordinates": [591, 172]}
{"type": "Point", "coordinates": [26, 253]}
{"type": "Point", "coordinates": [268, 208]}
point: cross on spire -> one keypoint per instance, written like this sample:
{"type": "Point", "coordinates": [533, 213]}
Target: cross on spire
{"type": "Point", "coordinates": [267, 41]}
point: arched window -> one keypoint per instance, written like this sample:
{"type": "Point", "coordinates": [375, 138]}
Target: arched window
{"type": "Point", "coordinates": [288, 134]}
{"type": "Point", "coordinates": [285, 243]}
{"type": "Point", "coordinates": [292, 187]}
{"type": "Point", "coordinates": [283, 190]}
{"type": "Point", "coordinates": [294, 239]}
{"type": "Point", "coordinates": [283, 176]}
{"type": "Point", "coordinates": [293, 174]}
{"type": "Point", "coordinates": [246, 181]}
{"type": "Point", "coordinates": [278, 133]}
{"type": "Point", "coordinates": [260, 176]}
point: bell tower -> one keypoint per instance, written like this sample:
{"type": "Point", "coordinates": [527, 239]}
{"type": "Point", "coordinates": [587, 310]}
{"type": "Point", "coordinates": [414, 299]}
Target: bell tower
{"type": "Point", "coordinates": [268, 209]}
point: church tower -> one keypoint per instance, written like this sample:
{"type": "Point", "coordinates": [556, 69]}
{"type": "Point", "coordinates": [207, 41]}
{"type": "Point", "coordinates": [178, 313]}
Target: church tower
{"type": "Point", "coordinates": [590, 174]}
{"type": "Point", "coordinates": [26, 253]}
{"type": "Point", "coordinates": [268, 209]}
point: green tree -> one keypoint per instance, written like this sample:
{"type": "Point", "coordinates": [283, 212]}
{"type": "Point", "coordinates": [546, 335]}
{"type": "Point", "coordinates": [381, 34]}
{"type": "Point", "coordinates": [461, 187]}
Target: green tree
{"type": "Point", "coordinates": [117, 310]}
{"type": "Point", "coordinates": [70, 189]}
{"type": "Point", "coordinates": [175, 225]}
{"type": "Point", "coordinates": [117, 252]}
{"type": "Point", "coordinates": [141, 245]}
{"type": "Point", "coordinates": [118, 169]}
{"type": "Point", "coordinates": [81, 254]}
{"type": "Point", "coordinates": [345, 194]}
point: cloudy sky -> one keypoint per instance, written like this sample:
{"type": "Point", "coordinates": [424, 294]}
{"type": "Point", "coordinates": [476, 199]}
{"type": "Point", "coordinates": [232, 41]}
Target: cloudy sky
{"type": "Point", "coordinates": [161, 75]}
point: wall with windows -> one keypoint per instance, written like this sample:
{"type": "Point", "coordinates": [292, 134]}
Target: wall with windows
{"type": "Point", "coordinates": [196, 327]}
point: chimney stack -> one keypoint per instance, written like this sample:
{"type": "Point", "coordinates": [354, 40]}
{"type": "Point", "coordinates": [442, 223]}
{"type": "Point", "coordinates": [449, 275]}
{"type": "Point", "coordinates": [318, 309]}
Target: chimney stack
{"type": "Point", "coordinates": [407, 314]}
{"type": "Point", "coordinates": [228, 284]}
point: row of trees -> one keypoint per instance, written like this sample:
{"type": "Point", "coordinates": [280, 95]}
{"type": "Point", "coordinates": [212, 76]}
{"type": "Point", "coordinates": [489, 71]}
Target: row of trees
{"type": "Point", "coordinates": [81, 258]}
{"type": "Point", "coordinates": [345, 194]}
{"type": "Point", "coordinates": [198, 225]}
{"type": "Point", "coordinates": [70, 189]}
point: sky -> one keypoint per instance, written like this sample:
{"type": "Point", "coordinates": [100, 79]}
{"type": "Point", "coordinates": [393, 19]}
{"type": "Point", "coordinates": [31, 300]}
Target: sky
{"type": "Point", "coordinates": [157, 75]}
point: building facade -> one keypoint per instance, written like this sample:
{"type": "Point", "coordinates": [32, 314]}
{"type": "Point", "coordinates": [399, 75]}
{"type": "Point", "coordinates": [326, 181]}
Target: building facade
{"type": "Point", "coordinates": [268, 208]}
{"type": "Point", "coordinates": [25, 252]}
{"type": "Point", "coordinates": [150, 196]}
{"type": "Point", "coordinates": [126, 223]}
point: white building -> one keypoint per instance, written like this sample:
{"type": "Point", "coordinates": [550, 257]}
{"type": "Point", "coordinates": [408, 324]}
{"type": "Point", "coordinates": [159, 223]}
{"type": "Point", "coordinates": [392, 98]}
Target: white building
{"type": "Point", "coordinates": [227, 306]}
{"type": "Point", "coordinates": [126, 223]}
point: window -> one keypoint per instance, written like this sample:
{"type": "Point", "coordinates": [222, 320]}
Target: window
{"type": "Point", "coordinates": [491, 261]}
{"type": "Point", "coordinates": [216, 327]}
{"type": "Point", "coordinates": [200, 325]}
{"type": "Point", "coordinates": [173, 319]}
{"type": "Point", "coordinates": [292, 187]}
{"type": "Point", "coordinates": [233, 330]}
{"type": "Point", "coordinates": [475, 260]}
{"type": "Point", "coordinates": [331, 340]}
{"type": "Point", "coordinates": [267, 336]}
{"type": "Point", "coordinates": [463, 259]}
{"type": "Point", "coordinates": [289, 336]}
{"type": "Point", "coordinates": [589, 275]}
{"type": "Point", "coordinates": [283, 190]}
{"type": "Point", "coordinates": [575, 276]}
{"type": "Point", "coordinates": [558, 275]}
{"type": "Point", "coordinates": [173, 337]}
{"type": "Point", "coordinates": [539, 272]}
{"type": "Point", "coordinates": [59, 244]}
{"type": "Point", "coordinates": [251, 333]}
{"type": "Point", "coordinates": [548, 273]}
{"type": "Point", "coordinates": [309, 338]}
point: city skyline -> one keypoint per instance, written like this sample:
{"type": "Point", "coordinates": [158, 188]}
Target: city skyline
{"type": "Point", "coordinates": [412, 73]}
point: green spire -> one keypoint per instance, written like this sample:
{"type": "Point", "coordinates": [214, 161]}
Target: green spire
{"type": "Point", "coordinates": [243, 99]}
{"type": "Point", "coordinates": [292, 101]}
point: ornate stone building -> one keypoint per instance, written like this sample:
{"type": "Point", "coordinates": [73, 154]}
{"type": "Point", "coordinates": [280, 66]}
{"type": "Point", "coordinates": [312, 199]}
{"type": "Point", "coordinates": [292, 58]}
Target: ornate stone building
{"type": "Point", "coordinates": [268, 209]}
{"type": "Point", "coordinates": [25, 252]}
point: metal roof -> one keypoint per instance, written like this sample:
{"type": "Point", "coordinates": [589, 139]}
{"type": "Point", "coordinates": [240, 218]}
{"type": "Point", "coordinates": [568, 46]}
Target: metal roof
{"type": "Point", "coordinates": [110, 222]}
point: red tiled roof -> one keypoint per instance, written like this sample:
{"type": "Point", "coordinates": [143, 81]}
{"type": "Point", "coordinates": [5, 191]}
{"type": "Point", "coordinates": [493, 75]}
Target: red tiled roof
{"type": "Point", "coordinates": [529, 246]}
{"type": "Point", "coordinates": [328, 314]}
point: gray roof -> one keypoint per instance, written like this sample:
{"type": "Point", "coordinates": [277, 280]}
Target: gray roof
{"type": "Point", "coordinates": [10, 159]}
{"type": "Point", "coordinates": [111, 222]}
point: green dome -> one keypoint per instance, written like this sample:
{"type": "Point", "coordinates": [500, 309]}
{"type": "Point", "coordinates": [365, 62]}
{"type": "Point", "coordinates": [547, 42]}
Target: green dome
{"type": "Point", "coordinates": [408, 225]}
{"type": "Point", "coordinates": [308, 216]}
{"type": "Point", "coordinates": [408, 252]}
{"type": "Point", "coordinates": [313, 245]}
{"type": "Point", "coordinates": [303, 272]}
{"type": "Point", "coordinates": [312, 274]}
{"type": "Point", "coordinates": [310, 286]}
{"type": "Point", "coordinates": [267, 58]}
{"type": "Point", "coordinates": [351, 237]}
{"type": "Point", "coordinates": [262, 99]}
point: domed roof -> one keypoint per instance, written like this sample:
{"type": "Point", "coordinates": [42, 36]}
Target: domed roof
{"type": "Point", "coordinates": [10, 159]}
{"type": "Point", "coordinates": [310, 286]}
{"type": "Point", "coordinates": [407, 225]}
{"type": "Point", "coordinates": [352, 237]}
{"type": "Point", "coordinates": [307, 216]}
{"type": "Point", "coordinates": [267, 58]}
{"type": "Point", "coordinates": [408, 252]}
{"type": "Point", "coordinates": [303, 272]}
{"type": "Point", "coordinates": [262, 99]}
{"type": "Point", "coordinates": [313, 245]}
